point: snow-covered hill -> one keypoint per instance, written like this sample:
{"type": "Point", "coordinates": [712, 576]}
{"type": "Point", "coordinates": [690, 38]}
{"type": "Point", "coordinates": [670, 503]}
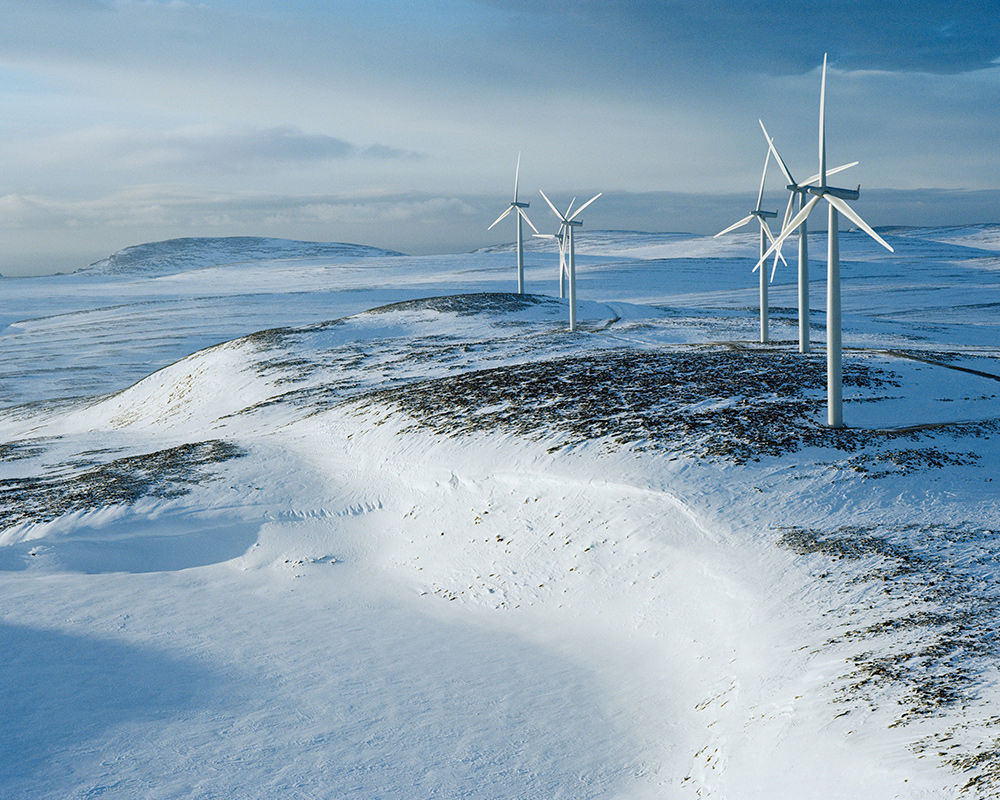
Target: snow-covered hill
{"type": "Point", "coordinates": [178, 255]}
{"type": "Point", "coordinates": [295, 526]}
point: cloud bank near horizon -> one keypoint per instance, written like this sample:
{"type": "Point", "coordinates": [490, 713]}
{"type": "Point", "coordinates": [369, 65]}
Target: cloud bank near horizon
{"type": "Point", "coordinates": [415, 223]}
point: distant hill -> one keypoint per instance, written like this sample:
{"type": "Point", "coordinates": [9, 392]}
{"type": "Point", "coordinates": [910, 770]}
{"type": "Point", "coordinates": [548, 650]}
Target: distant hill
{"type": "Point", "coordinates": [985, 236]}
{"type": "Point", "coordinates": [179, 255]}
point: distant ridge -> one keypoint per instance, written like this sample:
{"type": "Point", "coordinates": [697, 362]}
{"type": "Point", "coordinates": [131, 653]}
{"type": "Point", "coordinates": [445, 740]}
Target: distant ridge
{"type": "Point", "coordinates": [180, 255]}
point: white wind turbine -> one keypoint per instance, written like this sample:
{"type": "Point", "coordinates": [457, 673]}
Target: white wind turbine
{"type": "Point", "coordinates": [836, 202]}
{"type": "Point", "coordinates": [570, 222]}
{"type": "Point", "coordinates": [797, 190]}
{"type": "Point", "coordinates": [520, 214]}
{"type": "Point", "coordinates": [562, 239]}
{"type": "Point", "coordinates": [766, 237]}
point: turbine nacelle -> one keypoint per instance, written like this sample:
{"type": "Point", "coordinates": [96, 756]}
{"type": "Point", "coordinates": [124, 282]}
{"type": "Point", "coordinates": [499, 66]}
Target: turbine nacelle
{"type": "Point", "coordinates": [843, 194]}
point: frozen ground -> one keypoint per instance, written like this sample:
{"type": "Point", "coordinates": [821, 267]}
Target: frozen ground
{"type": "Point", "coordinates": [293, 520]}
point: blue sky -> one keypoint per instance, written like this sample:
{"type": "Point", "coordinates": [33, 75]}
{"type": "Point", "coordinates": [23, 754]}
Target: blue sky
{"type": "Point", "coordinates": [394, 124]}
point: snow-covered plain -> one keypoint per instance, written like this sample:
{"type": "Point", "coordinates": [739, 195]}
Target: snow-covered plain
{"type": "Point", "coordinates": [324, 521]}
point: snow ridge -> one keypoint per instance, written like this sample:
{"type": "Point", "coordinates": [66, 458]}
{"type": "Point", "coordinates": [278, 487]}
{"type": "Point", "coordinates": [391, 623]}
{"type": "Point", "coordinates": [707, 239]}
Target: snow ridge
{"type": "Point", "coordinates": [179, 255]}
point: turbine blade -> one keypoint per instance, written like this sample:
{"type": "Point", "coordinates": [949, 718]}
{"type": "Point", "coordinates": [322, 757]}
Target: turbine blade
{"type": "Point", "coordinates": [829, 172]}
{"type": "Point", "coordinates": [504, 214]}
{"type": "Point", "coordinates": [554, 209]}
{"type": "Point", "coordinates": [841, 168]}
{"type": "Point", "coordinates": [788, 210]}
{"type": "Point", "coordinates": [767, 230]}
{"type": "Point", "coordinates": [798, 218]}
{"type": "Point", "coordinates": [569, 208]}
{"type": "Point", "coordinates": [777, 254]}
{"type": "Point", "coordinates": [822, 126]}
{"type": "Point", "coordinates": [524, 216]}
{"type": "Point", "coordinates": [763, 177]}
{"type": "Point", "coordinates": [774, 267]}
{"type": "Point", "coordinates": [517, 172]}
{"type": "Point", "coordinates": [734, 226]}
{"type": "Point", "coordinates": [853, 216]}
{"type": "Point", "coordinates": [577, 212]}
{"type": "Point", "coordinates": [543, 236]}
{"type": "Point", "coordinates": [789, 229]}
{"type": "Point", "coordinates": [777, 156]}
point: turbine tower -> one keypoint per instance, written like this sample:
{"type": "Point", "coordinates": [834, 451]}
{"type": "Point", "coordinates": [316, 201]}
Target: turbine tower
{"type": "Point", "coordinates": [520, 214]}
{"type": "Point", "coordinates": [570, 222]}
{"type": "Point", "coordinates": [799, 191]}
{"type": "Point", "coordinates": [836, 201]}
{"type": "Point", "coordinates": [766, 237]}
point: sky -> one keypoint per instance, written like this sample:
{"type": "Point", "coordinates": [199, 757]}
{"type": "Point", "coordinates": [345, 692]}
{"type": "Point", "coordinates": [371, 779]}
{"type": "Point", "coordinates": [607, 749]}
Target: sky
{"type": "Point", "coordinates": [398, 124]}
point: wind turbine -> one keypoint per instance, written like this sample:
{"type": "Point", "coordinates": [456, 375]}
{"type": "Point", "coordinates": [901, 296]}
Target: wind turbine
{"type": "Point", "coordinates": [562, 240]}
{"type": "Point", "coordinates": [800, 191]}
{"type": "Point", "coordinates": [520, 214]}
{"type": "Point", "coordinates": [836, 201]}
{"type": "Point", "coordinates": [766, 237]}
{"type": "Point", "coordinates": [570, 222]}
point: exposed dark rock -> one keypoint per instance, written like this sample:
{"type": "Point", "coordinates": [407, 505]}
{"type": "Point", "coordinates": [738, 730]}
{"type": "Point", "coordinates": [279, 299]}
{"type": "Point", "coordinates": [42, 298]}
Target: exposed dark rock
{"type": "Point", "coordinates": [164, 473]}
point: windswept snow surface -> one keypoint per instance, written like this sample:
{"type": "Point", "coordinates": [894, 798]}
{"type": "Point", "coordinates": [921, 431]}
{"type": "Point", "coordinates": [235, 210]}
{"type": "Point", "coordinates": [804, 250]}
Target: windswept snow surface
{"type": "Point", "coordinates": [293, 520]}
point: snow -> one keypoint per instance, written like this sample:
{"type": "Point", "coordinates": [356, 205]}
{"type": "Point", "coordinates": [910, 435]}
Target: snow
{"type": "Point", "coordinates": [293, 520]}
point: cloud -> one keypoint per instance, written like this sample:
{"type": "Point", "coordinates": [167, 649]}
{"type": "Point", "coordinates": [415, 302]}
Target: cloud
{"type": "Point", "coordinates": [200, 147]}
{"type": "Point", "coordinates": [389, 210]}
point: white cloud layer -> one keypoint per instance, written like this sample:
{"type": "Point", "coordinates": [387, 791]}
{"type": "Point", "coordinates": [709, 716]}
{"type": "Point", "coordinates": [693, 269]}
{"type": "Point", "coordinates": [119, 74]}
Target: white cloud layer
{"type": "Point", "coordinates": [200, 146]}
